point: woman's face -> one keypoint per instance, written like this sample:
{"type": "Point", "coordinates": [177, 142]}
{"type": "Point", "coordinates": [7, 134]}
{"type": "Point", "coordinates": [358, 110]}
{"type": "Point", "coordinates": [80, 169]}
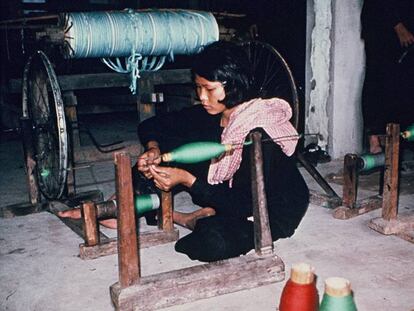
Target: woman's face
{"type": "Point", "coordinates": [210, 93]}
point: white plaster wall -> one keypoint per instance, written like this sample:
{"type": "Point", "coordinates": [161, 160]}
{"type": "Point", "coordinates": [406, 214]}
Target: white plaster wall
{"type": "Point", "coordinates": [316, 116]}
{"type": "Point", "coordinates": [347, 77]}
{"type": "Point", "coordinates": [335, 73]}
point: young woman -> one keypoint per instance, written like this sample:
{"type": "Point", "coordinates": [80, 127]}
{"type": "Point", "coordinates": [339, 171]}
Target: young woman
{"type": "Point", "coordinates": [222, 187]}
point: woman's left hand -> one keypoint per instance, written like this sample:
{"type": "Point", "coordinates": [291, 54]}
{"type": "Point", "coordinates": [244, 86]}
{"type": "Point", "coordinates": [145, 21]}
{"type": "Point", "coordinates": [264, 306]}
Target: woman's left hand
{"type": "Point", "coordinates": [165, 178]}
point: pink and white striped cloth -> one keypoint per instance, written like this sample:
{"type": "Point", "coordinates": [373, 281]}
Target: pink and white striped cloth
{"type": "Point", "coordinates": [270, 114]}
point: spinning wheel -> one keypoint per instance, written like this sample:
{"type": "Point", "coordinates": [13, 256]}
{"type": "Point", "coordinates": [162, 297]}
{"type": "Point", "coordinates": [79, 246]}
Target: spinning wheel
{"type": "Point", "coordinates": [273, 78]}
{"type": "Point", "coordinates": [272, 75]}
{"type": "Point", "coordinates": [43, 107]}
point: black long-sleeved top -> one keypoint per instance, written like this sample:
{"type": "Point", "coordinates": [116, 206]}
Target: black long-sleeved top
{"type": "Point", "coordinates": [287, 193]}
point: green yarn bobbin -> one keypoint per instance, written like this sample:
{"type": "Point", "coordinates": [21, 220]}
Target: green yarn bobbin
{"type": "Point", "coordinates": [369, 161]}
{"type": "Point", "coordinates": [408, 134]}
{"type": "Point", "coordinates": [146, 202]}
{"type": "Point", "coordinates": [196, 152]}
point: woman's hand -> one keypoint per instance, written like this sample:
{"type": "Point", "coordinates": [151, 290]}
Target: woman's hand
{"type": "Point", "coordinates": [165, 178]}
{"type": "Point", "coordinates": [151, 157]}
{"type": "Point", "coordinates": [404, 35]}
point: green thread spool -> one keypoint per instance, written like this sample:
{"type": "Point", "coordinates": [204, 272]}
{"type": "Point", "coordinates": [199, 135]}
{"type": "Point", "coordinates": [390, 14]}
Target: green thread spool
{"type": "Point", "coordinates": [44, 172]}
{"type": "Point", "coordinates": [408, 134]}
{"type": "Point", "coordinates": [337, 296]}
{"type": "Point", "coordinates": [146, 202]}
{"type": "Point", "coordinates": [196, 152]}
{"type": "Point", "coordinates": [369, 161]}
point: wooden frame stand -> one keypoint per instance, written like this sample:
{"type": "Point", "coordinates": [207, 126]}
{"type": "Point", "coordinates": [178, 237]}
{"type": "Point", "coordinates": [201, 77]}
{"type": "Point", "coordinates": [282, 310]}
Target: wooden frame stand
{"type": "Point", "coordinates": [390, 222]}
{"type": "Point", "coordinates": [133, 292]}
{"type": "Point", "coordinates": [94, 246]}
{"type": "Point", "coordinates": [350, 206]}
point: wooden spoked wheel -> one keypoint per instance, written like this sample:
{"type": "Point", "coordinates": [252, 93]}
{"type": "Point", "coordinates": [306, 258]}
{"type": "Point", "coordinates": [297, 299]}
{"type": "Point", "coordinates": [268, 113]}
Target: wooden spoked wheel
{"type": "Point", "coordinates": [43, 107]}
{"type": "Point", "coordinates": [272, 75]}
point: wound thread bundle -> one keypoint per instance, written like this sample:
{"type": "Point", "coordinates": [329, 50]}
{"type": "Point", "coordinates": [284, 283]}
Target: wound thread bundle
{"type": "Point", "coordinates": [300, 291]}
{"type": "Point", "coordinates": [338, 295]}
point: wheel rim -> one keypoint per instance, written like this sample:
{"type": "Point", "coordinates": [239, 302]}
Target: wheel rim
{"type": "Point", "coordinates": [43, 104]}
{"type": "Point", "coordinates": [272, 75]}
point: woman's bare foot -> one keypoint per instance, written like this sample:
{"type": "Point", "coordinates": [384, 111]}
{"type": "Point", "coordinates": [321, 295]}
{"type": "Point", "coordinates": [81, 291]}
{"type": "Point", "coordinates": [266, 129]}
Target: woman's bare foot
{"type": "Point", "coordinates": [188, 220]}
{"type": "Point", "coordinates": [72, 213]}
{"type": "Point", "coordinates": [110, 223]}
{"type": "Point", "coordinates": [76, 214]}
{"type": "Point", "coordinates": [374, 144]}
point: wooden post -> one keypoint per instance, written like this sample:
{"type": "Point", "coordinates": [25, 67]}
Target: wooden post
{"type": "Point", "coordinates": [29, 154]}
{"type": "Point", "coordinates": [165, 222]}
{"type": "Point", "coordinates": [262, 236]}
{"type": "Point", "coordinates": [350, 186]}
{"type": "Point", "coordinates": [90, 223]}
{"type": "Point", "coordinates": [128, 257]}
{"type": "Point", "coordinates": [145, 109]}
{"type": "Point", "coordinates": [390, 192]}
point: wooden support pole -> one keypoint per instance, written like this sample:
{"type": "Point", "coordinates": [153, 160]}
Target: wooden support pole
{"type": "Point", "coordinates": [350, 186]}
{"type": "Point", "coordinates": [90, 224]}
{"type": "Point", "coordinates": [29, 154]}
{"type": "Point", "coordinates": [167, 205]}
{"type": "Point", "coordinates": [390, 222]}
{"type": "Point", "coordinates": [390, 192]}
{"type": "Point", "coordinates": [263, 238]}
{"type": "Point", "coordinates": [145, 109]}
{"type": "Point", "coordinates": [333, 199]}
{"type": "Point", "coordinates": [128, 257]}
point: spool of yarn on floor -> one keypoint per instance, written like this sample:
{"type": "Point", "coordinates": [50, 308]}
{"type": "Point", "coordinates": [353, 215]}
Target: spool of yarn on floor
{"type": "Point", "coordinates": [300, 291]}
{"type": "Point", "coordinates": [338, 295]}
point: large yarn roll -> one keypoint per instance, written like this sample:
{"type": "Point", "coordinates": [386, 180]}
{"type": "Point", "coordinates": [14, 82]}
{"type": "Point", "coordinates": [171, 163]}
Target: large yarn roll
{"type": "Point", "coordinates": [158, 32]}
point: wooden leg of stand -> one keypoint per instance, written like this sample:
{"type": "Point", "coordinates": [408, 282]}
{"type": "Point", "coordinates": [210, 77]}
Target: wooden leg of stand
{"type": "Point", "coordinates": [90, 224]}
{"type": "Point", "coordinates": [29, 154]}
{"type": "Point", "coordinates": [262, 235]}
{"type": "Point", "coordinates": [166, 219]}
{"type": "Point", "coordinates": [390, 192]}
{"type": "Point", "coordinates": [350, 186]}
{"type": "Point", "coordinates": [128, 258]}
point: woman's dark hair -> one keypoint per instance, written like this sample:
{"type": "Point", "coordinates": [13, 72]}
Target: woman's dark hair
{"type": "Point", "coordinates": [228, 63]}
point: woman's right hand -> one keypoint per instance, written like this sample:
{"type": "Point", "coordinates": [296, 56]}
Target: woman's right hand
{"type": "Point", "coordinates": [404, 35]}
{"type": "Point", "coordinates": [150, 157]}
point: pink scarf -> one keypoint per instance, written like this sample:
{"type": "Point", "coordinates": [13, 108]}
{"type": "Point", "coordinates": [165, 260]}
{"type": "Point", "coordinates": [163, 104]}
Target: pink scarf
{"type": "Point", "coordinates": [270, 114]}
